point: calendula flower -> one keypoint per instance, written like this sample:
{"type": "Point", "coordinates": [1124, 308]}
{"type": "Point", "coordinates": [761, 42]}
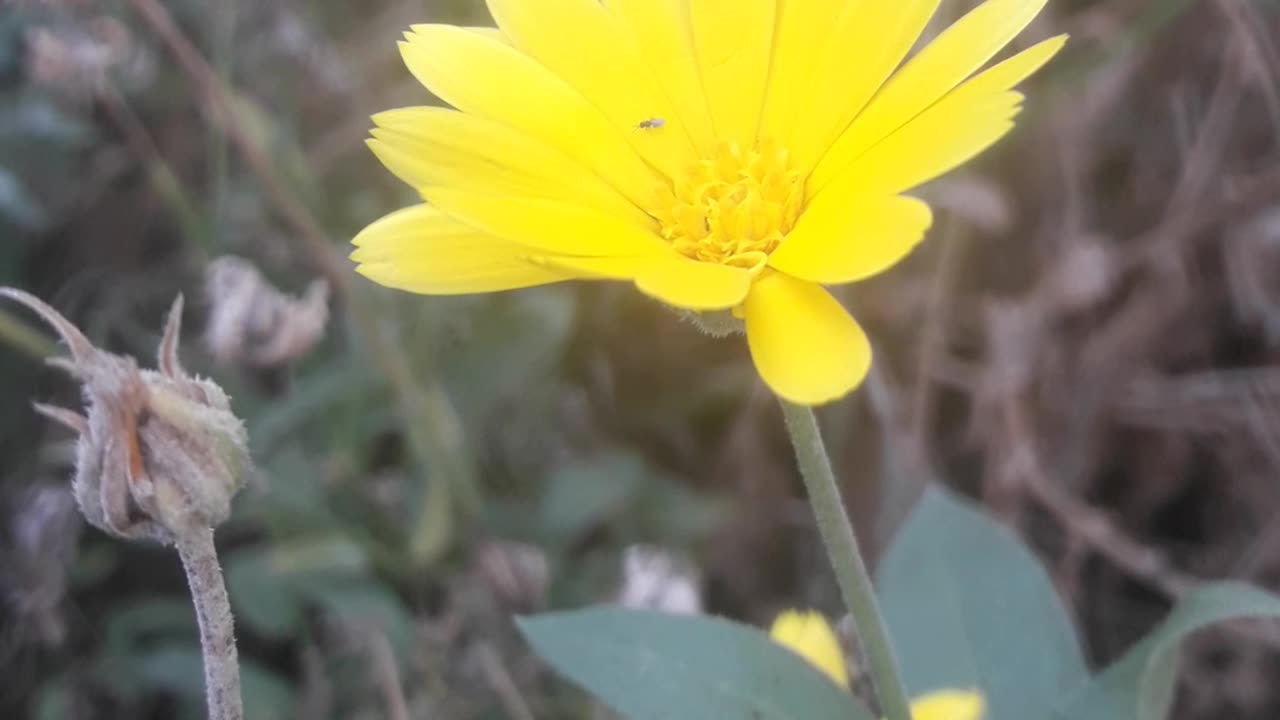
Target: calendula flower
{"type": "Point", "coordinates": [719, 154]}
{"type": "Point", "coordinates": [809, 635]}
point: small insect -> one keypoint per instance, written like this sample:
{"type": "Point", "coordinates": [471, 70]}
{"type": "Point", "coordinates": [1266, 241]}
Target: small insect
{"type": "Point", "coordinates": [651, 124]}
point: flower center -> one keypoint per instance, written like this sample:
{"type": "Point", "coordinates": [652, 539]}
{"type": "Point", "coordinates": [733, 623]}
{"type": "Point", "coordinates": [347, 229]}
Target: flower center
{"type": "Point", "coordinates": [734, 207]}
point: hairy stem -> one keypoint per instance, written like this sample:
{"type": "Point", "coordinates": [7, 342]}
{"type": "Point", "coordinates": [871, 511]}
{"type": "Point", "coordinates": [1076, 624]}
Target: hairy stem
{"type": "Point", "coordinates": [846, 559]}
{"type": "Point", "coordinates": [217, 632]}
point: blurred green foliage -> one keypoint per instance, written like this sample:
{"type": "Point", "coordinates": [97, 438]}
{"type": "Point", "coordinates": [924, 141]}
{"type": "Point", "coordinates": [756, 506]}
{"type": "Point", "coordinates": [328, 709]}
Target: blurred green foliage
{"type": "Point", "coordinates": [575, 421]}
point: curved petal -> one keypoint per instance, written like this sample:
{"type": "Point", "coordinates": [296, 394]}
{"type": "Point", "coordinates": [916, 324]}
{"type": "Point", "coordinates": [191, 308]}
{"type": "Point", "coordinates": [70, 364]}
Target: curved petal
{"type": "Point", "coordinates": [810, 636]}
{"type": "Point", "coordinates": [870, 38]}
{"type": "Point", "coordinates": [548, 226]}
{"type": "Point", "coordinates": [805, 346]}
{"type": "Point", "coordinates": [929, 146]}
{"type": "Point", "coordinates": [427, 146]}
{"type": "Point", "coordinates": [578, 41]}
{"type": "Point", "coordinates": [1005, 74]}
{"type": "Point", "coordinates": [944, 63]}
{"type": "Point", "coordinates": [838, 241]}
{"type": "Point", "coordinates": [733, 41]}
{"type": "Point", "coordinates": [804, 29]}
{"type": "Point", "coordinates": [488, 78]}
{"type": "Point", "coordinates": [422, 250]}
{"type": "Point", "coordinates": [660, 29]}
{"type": "Point", "coordinates": [964, 123]}
{"type": "Point", "coordinates": [694, 285]}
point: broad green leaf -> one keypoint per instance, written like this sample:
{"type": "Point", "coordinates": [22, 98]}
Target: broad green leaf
{"type": "Point", "coordinates": [1140, 685]}
{"type": "Point", "coordinates": [262, 601]}
{"type": "Point", "coordinates": [654, 666]}
{"type": "Point", "coordinates": [368, 606]}
{"type": "Point", "coordinates": [968, 606]}
{"type": "Point", "coordinates": [513, 341]}
{"type": "Point", "coordinates": [146, 621]}
{"type": "Point", "coordinates": [17, 205]}
{"type": "Point", "coordinates": [54, 700]}
{"type": "Point", "coordinates": [583, 494]}
{"type": "Point", "coordinates": [179, 669]}
{"type": "Point", "coordinates": [267, 586]}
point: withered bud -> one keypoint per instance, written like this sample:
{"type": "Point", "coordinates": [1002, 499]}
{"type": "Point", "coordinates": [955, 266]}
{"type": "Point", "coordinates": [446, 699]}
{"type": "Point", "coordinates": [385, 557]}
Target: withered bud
{"type": "Point", "coordinates": [1083, 275]}
{"type": "Point", "coordinates": [654, 579]}
{"type": "Point", "coordinates": [159, 451]}
{"type": "Point", "coordinates": [81, 61]}
{"type": "Point", "coordinates": [252, 323]}
{"type": "Point", "coordinates": [978, 201]}
{"type": "Point", "coordinates": [517, 573]}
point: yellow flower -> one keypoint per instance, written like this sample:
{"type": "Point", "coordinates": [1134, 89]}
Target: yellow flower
{"type": "Point", "coordinates": [949, 705]}
{"type": "Point", "coordinates": [810, 636]}
{"type": "Point", "coordinates": [719, 154]}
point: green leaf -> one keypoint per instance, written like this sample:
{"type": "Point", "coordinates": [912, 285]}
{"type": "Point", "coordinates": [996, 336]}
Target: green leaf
{"type": "Point", "coordinates": [263, 602]}
{"type": "Point", "coordinates": [654, 666]}
{"type": "Point", "coordinates": [179, 669]}
{"type": "Point", "coordinates": [267, 588]}
{"type": "Point", "coordinates": [583, 494]}
{"type": "Point", "coordinates": [367, 605]}
{"type": "Point", "coordinates": [146, 621]}
{"type": "Point", "coordinates": [514, 341]}
{"type": "Point", "coordinates": [54, 700]}
{"type": "Point", "coordinates": [968, 606]}
{"type": "Point", "coordinates": [1141, 684]}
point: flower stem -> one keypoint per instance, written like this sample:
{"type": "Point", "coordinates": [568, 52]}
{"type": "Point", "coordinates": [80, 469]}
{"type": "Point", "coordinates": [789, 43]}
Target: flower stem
{"type": "Point", "coordinates": [846, 559]}
{"type": "Point", "coordinates": [213, 612]}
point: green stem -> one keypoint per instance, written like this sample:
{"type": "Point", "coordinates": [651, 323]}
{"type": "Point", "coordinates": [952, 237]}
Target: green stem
{"type": "Point", "coordinates": [846, 559]}
{"type": "Point", "coordinates": [213, 614]}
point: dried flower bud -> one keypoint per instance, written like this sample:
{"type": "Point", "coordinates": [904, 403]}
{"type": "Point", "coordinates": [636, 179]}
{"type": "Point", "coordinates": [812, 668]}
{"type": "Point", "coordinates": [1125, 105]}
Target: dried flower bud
{"type": "Point", "coordinates": [654, 579]}
{"type": "Point", "coordinates": [979, 201]}
{"type": "Point", "coordinates": [82, 60]}
{"type": "Point", "coordinates": [1083, 275]}
{"type": "Point", "coordinates": [517, 573]}
{"type": "Point", "coordinates": [252, 323]}
{"type": "Point", "coordinates": [43, 532]}
{"type": "Point", "coordinates": [159, 451]}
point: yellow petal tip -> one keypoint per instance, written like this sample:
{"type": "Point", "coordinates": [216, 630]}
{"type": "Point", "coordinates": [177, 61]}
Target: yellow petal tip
{"type": "Point", "coordinates": [809, 635]}
{"type": "Point", "coordinates": [949, 705]}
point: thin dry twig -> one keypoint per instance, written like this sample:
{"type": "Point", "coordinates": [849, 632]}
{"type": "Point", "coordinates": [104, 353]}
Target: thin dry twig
{"type": "Point", "coordinates": [503, 686]}
{"type": "Point", "coordinates": [387, 674]}
{"type": "Point", "coordinates": [220, 109]}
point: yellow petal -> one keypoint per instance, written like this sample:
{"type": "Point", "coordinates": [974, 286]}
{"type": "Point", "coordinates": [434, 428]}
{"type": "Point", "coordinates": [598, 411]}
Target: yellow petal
{"type": "Point", "coordinates": [869, 40]}
{"type": "Point", "coordinates": [660, 29]}
{"type": "Point", "coordinates": [810, 636]}
{"type": "Point", "coordinates": [949, 705]}
{"type": "Point", "coordinates": [427, 146]}
{"type": "Point", "coordinates": [732, 40]}
{"type": "Point", "coordinates": [694, 285]}
{"type": "Point", "coordinates": [804, 29]}
{"type": "Point", "coordinates": [488, 78]}
{"type": "Point", "coordinates": [948, 60]}
{"type": "Point", "coordinates": [421, 250]}
{"type": "Point", "coordinates": [578, 41]}
{"type": "Point", "coordinates": [1008, 73]}
{"type": "Point", "coordinates": [492, 33]}
{"type": "Point", "coordinates": [838, 240]}
{"type": "Point", "coordinates": [548, 226]}
{"type": "Point", "coordinates": [930, 145]}
{"type": "Point", "coordinates": [962, 124]}
{"type": "Point", "coordinates": [805, 346]}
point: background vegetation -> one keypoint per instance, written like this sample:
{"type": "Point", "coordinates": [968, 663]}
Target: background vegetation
{"type": "Point", "coordinates": [1086, 345]}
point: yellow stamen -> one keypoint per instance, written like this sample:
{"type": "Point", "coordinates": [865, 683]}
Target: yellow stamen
{"type": "Point", "coordinates": [734, 207]}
